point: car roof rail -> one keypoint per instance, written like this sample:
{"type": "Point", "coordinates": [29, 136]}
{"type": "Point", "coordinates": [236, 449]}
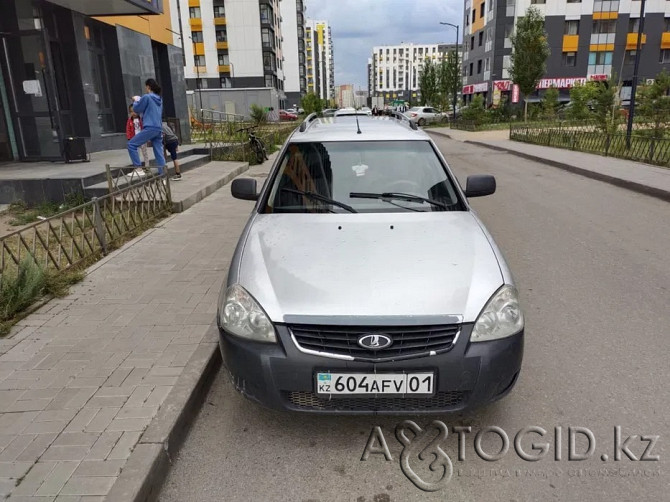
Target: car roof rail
{"type": "Point", "coordinates": [403, 118]}
{"type": "Point", "coordinates": [308, 120]}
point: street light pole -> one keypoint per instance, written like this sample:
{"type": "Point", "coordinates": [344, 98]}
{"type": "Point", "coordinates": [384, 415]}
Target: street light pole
{"type": "Point", "coordinates": [458, 63]}
{"type": "Point", "coordinates": [633, 90]}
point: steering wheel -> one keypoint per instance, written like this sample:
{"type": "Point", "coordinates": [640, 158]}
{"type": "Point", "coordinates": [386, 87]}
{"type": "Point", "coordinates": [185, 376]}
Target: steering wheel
{"type": "Point", "coordinates": [403, 186]}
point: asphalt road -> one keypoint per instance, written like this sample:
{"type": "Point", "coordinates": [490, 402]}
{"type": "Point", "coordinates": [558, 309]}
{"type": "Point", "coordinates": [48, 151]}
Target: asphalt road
{"type": "Point", "coordinates": [592, 263]}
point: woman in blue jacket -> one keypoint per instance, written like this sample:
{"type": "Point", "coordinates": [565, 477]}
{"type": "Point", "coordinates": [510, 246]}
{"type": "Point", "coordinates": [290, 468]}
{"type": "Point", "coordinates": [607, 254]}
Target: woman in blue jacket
{"type": "Point", "coordinates": [150, 107]}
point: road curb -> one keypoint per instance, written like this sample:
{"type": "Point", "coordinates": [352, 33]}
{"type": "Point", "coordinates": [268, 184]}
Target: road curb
{"type": "Point", "coordinates": [183, 205]}
{"type": "Point", "coordinates": [144, 473]}
{"type": "Point", "coordinates": [657, 193]}
{"type": "Point", "coordinates": [612, 180]}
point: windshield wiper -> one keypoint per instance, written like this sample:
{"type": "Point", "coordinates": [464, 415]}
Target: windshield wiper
{"type": "Point", "coordinates": [398, 196]}
{"type": "Point", "coordinates": [320, 198]}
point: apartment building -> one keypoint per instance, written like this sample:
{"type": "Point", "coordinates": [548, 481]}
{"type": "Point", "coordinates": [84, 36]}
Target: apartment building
{"type": "Point", "coordinates": [70, 69]}
{"type": "Point", "coordinates": [294, 50]}
{"type": "Point", "coordinates": [394, 70]}
{"type": "Point", "coordinates": [234, 43]}
{"type": "Point", "coordinates": [589, 40]}
{"type": "Point", "coordinates": [320, 61]}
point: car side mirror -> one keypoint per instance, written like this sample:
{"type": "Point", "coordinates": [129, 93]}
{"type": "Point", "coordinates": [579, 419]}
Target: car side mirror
{"type": "Point", "coordinates": [480, 185]}
{"type": "Point", "coordinates": [244, 188]}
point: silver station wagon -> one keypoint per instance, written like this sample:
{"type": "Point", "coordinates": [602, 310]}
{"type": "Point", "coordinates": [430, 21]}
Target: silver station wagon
{"type": "Point", "coordinates": [363, 281]}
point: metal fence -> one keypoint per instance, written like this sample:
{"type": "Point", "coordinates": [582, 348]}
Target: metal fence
{"type": "Point", "coordinates": [86, 231]}
{"type": "Point", "coordinates": [644, 145]}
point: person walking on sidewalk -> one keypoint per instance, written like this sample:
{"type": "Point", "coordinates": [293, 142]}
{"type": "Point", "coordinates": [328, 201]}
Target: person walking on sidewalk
{"type": "Point", "coordinates": [150, 108]}
{"type": "Point", "coordinates": [133, 127]}
{"type": "Point", "coordinates": [171, 144]}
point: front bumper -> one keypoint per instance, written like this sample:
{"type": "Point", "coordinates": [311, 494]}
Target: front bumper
{"type": "Point", "coordinates": [279, 376]}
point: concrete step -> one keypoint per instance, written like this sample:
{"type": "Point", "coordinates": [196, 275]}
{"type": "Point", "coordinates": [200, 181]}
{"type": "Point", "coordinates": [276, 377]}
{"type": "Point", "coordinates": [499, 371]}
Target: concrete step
{"type": "Point", "coordinates": [192, 161]}
{"type": "Point", "coordinates": [185, 152]}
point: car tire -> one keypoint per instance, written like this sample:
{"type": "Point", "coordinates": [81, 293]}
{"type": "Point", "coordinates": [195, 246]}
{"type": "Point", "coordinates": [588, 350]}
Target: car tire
{"type": "Point", "coordinates": [422, 122]}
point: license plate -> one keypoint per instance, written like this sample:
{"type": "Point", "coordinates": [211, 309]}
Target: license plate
{"type": "Point", "coordinates": [371, 383]}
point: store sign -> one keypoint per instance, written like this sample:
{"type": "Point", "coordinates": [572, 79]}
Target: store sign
{"type": "Point", "coordinates": [515, 93]}
{"type": "Point", "coordinates": [567, 83]}
{"type": "Point", "coordinates": [502, 85]}
{"type": "Point", "coordinates": [496, 96]}
{"type": "Point", "coordinates": [468, 89]}
{"type": "Point", "coordinates": [474, 88]}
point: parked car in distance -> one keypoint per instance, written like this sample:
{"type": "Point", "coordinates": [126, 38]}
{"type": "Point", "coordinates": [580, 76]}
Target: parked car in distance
{"type": "Point", "coordinates": [351, 111]}
{"type": "Point", "coordinates": [423, 115]}
{"type": "Point", "coordinates": [364, 282]}
{"type": "Point", "coordinates": [329, 112]}
{"type": "Point", "coordinates": [292, 110]}
{"type": "Point", "coordinates": [286, 116]}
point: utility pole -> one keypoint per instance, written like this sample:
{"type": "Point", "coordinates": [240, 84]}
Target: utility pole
{"type": "Point", "coordinates": [633, 90]}
{"type": "Point", "coordinates": [458, 63]}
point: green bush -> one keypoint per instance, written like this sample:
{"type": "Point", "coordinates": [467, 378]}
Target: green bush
{"type": "Point", "coordinates": [475, 111]}
{"type": "Point", "coordinates": [257, 113]}
{"type": "Point", "coordinates": [20, 290]}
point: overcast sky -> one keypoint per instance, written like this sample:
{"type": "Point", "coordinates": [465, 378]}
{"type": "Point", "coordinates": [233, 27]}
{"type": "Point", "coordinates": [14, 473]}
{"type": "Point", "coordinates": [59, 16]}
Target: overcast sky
{"type": "Point", "coordinates": [358, 25]}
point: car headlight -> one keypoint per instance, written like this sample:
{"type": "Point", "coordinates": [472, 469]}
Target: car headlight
{"type": "Point", "coordinates": [241, 315]}
{"type": "Point", "coordinates": [501, 317]}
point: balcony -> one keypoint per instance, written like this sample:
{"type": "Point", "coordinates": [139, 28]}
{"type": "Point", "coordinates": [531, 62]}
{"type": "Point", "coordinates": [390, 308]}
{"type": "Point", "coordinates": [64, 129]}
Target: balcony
{"type": "Point", "coordinates": [220, 21]}
{"type": "Point", "coordinates": [199, 49]}
{"type": "Point", "coordinates": [113, 7]}
{"type": "Point", "coordinates": [570, 43]}
{"type": "Point", "coordinates": [199, 69]}
{"type": "Point", "coordinates": [631, 41]}
{"type": "Point", "coordinates": [196, 23]}
{"type": "Point", "coordinates": [222, 45]}
{"type": "Point", "coordinates": [665, 40]}
{"type": "Point", "coordinates": [224, 68]}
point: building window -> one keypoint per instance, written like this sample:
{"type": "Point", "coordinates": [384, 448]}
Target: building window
{"type": "Point", "coordinates": [481, 38]}
{"type": "Point", "coordinates": [196, 36]}
{"type": "Point", "coordinates": [467, 20]}
{"type": "Point", "coordinates": [481, 10]}
{"type": "Point", "coordinates": [538, 1]}
{"type": "Point", "coordinates": [634, 25]}
{"type": "Point", "coordinates": [226, 82]}
{"type": "Point", "coordinates": [479, 66]}
{"type": "Point", "coordinates": [101, 85]}
{"type": "Point", "coordinates": [269, 81]}
{"type": "Point", "coordinates": [569, 59]}
{"type": "Point", "coordinates": [487, 64]}
{"type": "Point", "coordinates": [667, 24]}
{"type": "Point", "coordinates": [268, 38]}
{"type": "Point", "coordinates": [474, 15]}
{"type": "Point", "coordinates": [604, 26]}
{"type": "Point", "coordinates": [576, 1]}
{"type": "Point", "coordinates": [490, 5]}
{"type": "Point", "coordinates": [194, 12]}
{"type": "Point", "coordinates": [266, 14]}
{"type": "Point", "coordinates": [221, 35]}
{"type": "Point", "coordinates": [224, 59]}
{"type": "Point", "coordinates": [199, 61]}
{"type": "Point", "coordinates": [471, 67]}
{"type": "Point", "coordinates": [665, 56]}
{"type": "Point", "coordinates": [571, 27]}
{"type": "Point", "coordinates": [600, 63]}
{"type": "Point", "coordinates": [219, 11]}
{"type": "Point", "coordinates": [630, 57]}
{"type": "Point", "coordinates": [472, 42]}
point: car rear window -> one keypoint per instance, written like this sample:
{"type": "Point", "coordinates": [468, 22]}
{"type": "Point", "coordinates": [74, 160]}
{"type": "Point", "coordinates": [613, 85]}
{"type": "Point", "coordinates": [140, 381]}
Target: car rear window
{"type": "Point", "coordinates": [336, 169]}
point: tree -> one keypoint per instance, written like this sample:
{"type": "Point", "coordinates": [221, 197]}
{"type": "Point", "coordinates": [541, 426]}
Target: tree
{"type": "Point", "coordinates": [653, 103]}
{"type": "Point", "coordinates": [311, 103]}
{"type": "Point", "coordinates": [580, 101]}
{"type": "Point", "coordinates": [449, 79]}
{"type": "Point", "coordinates": [428, 82]}
{"type": "Point", "coordinates": [475, 111]}
{"type": "Point", "coordinates": [550, 103]}
{"type": "Point", "coordinates": [530, 51]}
{"type": "Point", "coordinates": [257, 113]}
{"type": "Point", "coordinates": [604, 102]}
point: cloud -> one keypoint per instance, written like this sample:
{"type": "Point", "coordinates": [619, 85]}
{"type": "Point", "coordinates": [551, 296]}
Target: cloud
{"type": "Point", "coordinates": [359, 25]}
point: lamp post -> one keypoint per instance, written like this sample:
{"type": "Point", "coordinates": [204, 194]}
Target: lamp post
{"type": "Point", "coordinates": [633, 90]}
{"type": "Point", "coordinates": [458, 62]}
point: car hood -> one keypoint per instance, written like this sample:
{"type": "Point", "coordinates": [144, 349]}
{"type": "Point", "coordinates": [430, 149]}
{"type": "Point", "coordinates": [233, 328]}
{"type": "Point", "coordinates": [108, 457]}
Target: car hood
{"type": "Point", "coordinates": [327, 267]}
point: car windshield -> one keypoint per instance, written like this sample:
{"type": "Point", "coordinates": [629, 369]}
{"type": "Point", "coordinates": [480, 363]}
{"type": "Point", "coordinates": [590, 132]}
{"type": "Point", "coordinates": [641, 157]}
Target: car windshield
{"type": "Point", "coordinates": [336, 170]}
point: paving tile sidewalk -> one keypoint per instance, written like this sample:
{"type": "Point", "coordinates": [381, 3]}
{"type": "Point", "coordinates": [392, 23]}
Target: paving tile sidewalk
{"type": "Point", "coordinates": [83, 377]}
{"type": "Point", "coordinates": [644, 178]}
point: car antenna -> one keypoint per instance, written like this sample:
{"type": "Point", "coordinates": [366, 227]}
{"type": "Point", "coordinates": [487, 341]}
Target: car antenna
{"type": "Point", "coordinates": [358, 125]}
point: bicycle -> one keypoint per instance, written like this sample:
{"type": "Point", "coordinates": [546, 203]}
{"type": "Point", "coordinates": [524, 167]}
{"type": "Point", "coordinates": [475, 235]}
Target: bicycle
{"type": "Point", "coordinates": [256, 144]}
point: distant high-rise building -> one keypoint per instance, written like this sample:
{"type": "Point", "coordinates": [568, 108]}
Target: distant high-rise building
{"type": "Point", "coordinates": [394, 70]}
{"type": "Point", "coordinates": [589, 40]}
{"type": "Point", "coordinates": [237, 43]}
{"type": "Point", "coordinates": [294, 50]}
{"type": "Point", "coordinates": [320, 62]}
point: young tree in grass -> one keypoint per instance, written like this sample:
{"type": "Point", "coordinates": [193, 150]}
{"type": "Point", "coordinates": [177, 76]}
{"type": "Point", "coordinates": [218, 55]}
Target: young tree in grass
{"type": "Point", "coordinates": [449, 79]}
{"type": "Point", "coordinates": [604, 102]}
{"type": "Point", "coordinates": [580, 99]}
{"type": "Point", "coordinates": [428, 82]}
{"type": "Point", "coordinates": [550, 103]}
{"type": "Point", "coordinates": [530, 51]}
{"type": "Point", "coordinates": [311, 103]}
{"type": "Point", "coordinates": [653, 104]}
